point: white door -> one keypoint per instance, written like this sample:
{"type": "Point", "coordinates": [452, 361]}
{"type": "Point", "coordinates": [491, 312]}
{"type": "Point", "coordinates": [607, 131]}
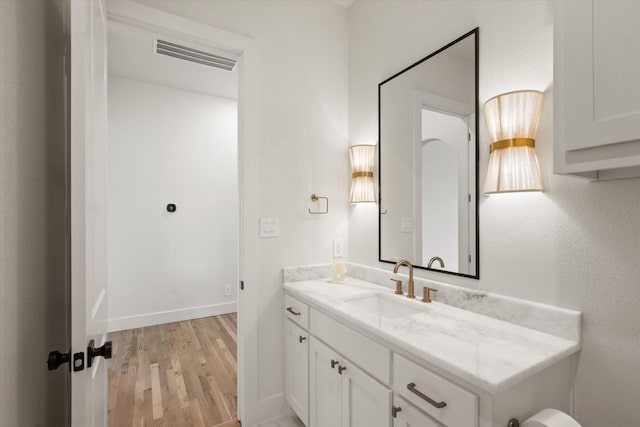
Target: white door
{"type": "Point", "coordinates": [88, 210]}
{"type": "Point", "coordinates": [365, 402]}
{"type": "Point", "coordinates": [297, 369]}
{"type": "Point", "coordinates": [326, 386]}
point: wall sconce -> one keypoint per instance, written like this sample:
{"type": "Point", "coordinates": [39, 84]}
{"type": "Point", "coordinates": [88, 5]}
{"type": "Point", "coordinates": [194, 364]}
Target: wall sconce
{"type": "Point", "coordinates": [512, 119]}
{"type": "Point", "coordinates": [362, 161]}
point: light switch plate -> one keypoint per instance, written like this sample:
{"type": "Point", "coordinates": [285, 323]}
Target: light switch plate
{"type": "Point", "coordinates": [407, 225]}
{"type": "Point", "coordinates": [269, 227]}
{"type": "Point", "coordinates": [338, 248]}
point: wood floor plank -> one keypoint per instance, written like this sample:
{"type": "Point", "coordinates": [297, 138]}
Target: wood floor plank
{"type": "Point", "coordinates": [156, 395]}
{"type": "Point", "coordinates": [125, 399]}
{"type": "Point", "coordinates": [138, 405]}
{"type": "Point", "coordinates": [231, 361]}
{"type": "Point", "coordinates": [225, 324]}
{"type": "Point", "coordinates": [181, 390]}
{"type": "Point", "coordinates": [229, 424]}
{"type": "Point", "coordinates": [218, 397]}
{"type": "Point", "coordinates": [177, 374]}
{"type": "Point", "coordinates": [113, 385]}
{"type": "Point", "coordinates": [196, 414]}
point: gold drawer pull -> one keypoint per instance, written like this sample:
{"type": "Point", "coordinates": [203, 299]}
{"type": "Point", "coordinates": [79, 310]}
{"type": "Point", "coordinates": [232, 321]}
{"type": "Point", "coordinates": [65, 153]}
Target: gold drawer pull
{"type": "Point", "coordinates": [412, 388]}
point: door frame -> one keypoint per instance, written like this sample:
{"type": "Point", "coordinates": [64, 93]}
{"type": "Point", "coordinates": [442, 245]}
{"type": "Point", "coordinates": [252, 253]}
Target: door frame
{"type": "Point", "coordinates": [145, 17]}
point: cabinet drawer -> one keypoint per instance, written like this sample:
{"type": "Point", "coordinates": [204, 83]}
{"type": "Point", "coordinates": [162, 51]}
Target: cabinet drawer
{"type": "Point", "coordinates": [370, 356]}
{"type": "Point", "coordinates": [461, 408]}
{"type": "Point", "coordinates": [296, 311]}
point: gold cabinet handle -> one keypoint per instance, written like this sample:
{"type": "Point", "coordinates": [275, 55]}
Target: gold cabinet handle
{"type": "Point", "coordinates": [412, 388]}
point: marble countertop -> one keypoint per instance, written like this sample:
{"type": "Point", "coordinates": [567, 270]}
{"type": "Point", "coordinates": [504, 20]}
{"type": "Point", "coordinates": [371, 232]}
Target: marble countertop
{"type": "Point", "coordinates": [487, 352]}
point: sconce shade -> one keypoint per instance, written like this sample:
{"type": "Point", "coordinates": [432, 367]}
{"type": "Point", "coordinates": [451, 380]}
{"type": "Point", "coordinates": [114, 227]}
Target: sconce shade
{"type": "Point", "coordinates": [512, 120]}
{"type": "Point", "coordinates": [362, 162]}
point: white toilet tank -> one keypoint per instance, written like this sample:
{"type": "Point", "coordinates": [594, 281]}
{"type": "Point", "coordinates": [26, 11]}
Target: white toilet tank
{"type": "Point", "coordinates": [550, 418]}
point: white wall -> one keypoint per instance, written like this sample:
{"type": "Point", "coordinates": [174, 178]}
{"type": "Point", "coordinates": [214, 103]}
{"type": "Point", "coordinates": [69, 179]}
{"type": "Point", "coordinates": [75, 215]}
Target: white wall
{"type": "Point", "coordinates": [33, 245]}
{"type": "Point", "coordinates": [170, 146]}
{"type": "Point", "coordinates": [303, 146]}
{"type": "Point", "coordinates": [575, 245]}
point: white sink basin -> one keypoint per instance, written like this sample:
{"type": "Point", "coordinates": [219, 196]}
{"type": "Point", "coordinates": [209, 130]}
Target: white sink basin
{"type": "Point", "coordinates": [383, 305]}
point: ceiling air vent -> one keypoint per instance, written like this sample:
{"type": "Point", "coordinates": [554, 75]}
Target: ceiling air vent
{"type": "Point", "coordinates": [194, 55]}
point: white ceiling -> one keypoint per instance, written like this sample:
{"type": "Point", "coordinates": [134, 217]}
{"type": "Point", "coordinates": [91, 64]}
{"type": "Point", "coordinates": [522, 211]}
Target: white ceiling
{"type": "Point", "coordinates": [131, 55]}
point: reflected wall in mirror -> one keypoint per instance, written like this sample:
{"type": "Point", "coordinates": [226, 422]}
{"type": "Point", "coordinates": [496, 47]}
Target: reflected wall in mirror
{"type": "Point", "coordinates": [428, 147]}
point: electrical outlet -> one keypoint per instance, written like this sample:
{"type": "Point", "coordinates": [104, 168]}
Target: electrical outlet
{"type": "Point", "coordinates": [269, 227]}
{"type": "Point", "coordinates": [227, 290]}
{"type": "Point", "coordinates": [338, 248]}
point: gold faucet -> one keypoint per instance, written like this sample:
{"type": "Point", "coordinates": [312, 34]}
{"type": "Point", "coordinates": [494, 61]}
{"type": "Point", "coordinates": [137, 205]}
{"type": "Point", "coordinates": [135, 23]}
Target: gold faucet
{"type": "Point", "coordinates": [434, 259]}
{"type": "Point", "coordinates": [426, 293]}
{"type": "Point", "coordinates": [410, 291]}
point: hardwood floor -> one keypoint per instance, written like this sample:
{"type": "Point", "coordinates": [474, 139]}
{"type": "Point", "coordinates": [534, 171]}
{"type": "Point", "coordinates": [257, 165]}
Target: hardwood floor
{"type": "Point", "coordinates": [174, 375]}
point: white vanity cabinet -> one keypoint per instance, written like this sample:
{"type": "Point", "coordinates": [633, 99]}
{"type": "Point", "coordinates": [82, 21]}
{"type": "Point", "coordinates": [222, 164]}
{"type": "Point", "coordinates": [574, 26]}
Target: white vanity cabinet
{"type": "Point", "coordinates": [342, 395]}
{"type": "Point", "coordinates": [296, 357]}
{"type": "Point", "coordinates": [297, 369]}
{"type": "Point", "coordinates": [596, 88]}
{"type": "Point", "coordinates": [351, 369]}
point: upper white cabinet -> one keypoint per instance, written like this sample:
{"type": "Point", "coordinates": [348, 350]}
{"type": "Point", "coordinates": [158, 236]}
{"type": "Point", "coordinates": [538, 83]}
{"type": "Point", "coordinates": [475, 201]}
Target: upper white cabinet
{"type": "Point", "coordinates": [597, 88]}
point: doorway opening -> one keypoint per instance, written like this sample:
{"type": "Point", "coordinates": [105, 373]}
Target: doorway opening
{"type": "Point", "coordinates": [444, 161]}
{"type": "Point", "coordinates": [173, 230]}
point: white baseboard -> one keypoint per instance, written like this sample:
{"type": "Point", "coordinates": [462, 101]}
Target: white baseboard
{"type": "Point", "coordinates": [271, 408]}
{"type": "Point", "coordinates": [158, 318]}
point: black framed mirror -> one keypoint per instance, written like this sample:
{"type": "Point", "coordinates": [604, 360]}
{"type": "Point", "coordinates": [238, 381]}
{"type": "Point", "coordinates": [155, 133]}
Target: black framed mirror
{"type": "Point", "coordinates": [428, 161]}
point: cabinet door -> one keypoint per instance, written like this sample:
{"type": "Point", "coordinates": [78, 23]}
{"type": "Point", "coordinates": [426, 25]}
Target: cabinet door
{"type": "Point", "coordinates": [325, 386]}
{"type": "Point", "coordinates": [596, 94]}
{"type": "Point", "coordinates": [297, 369]}
{"type": "Point", "coordinates": [408, 415]}
{"type": "Point", "coordinates": [365, 402]}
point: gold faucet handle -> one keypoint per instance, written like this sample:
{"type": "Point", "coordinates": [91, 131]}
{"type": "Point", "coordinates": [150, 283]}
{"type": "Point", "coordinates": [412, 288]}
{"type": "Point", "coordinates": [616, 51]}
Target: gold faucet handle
{"type": "Point", "coordinates": [398, 286]}
{"type": "Point", "coordinates": [426, 293]}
